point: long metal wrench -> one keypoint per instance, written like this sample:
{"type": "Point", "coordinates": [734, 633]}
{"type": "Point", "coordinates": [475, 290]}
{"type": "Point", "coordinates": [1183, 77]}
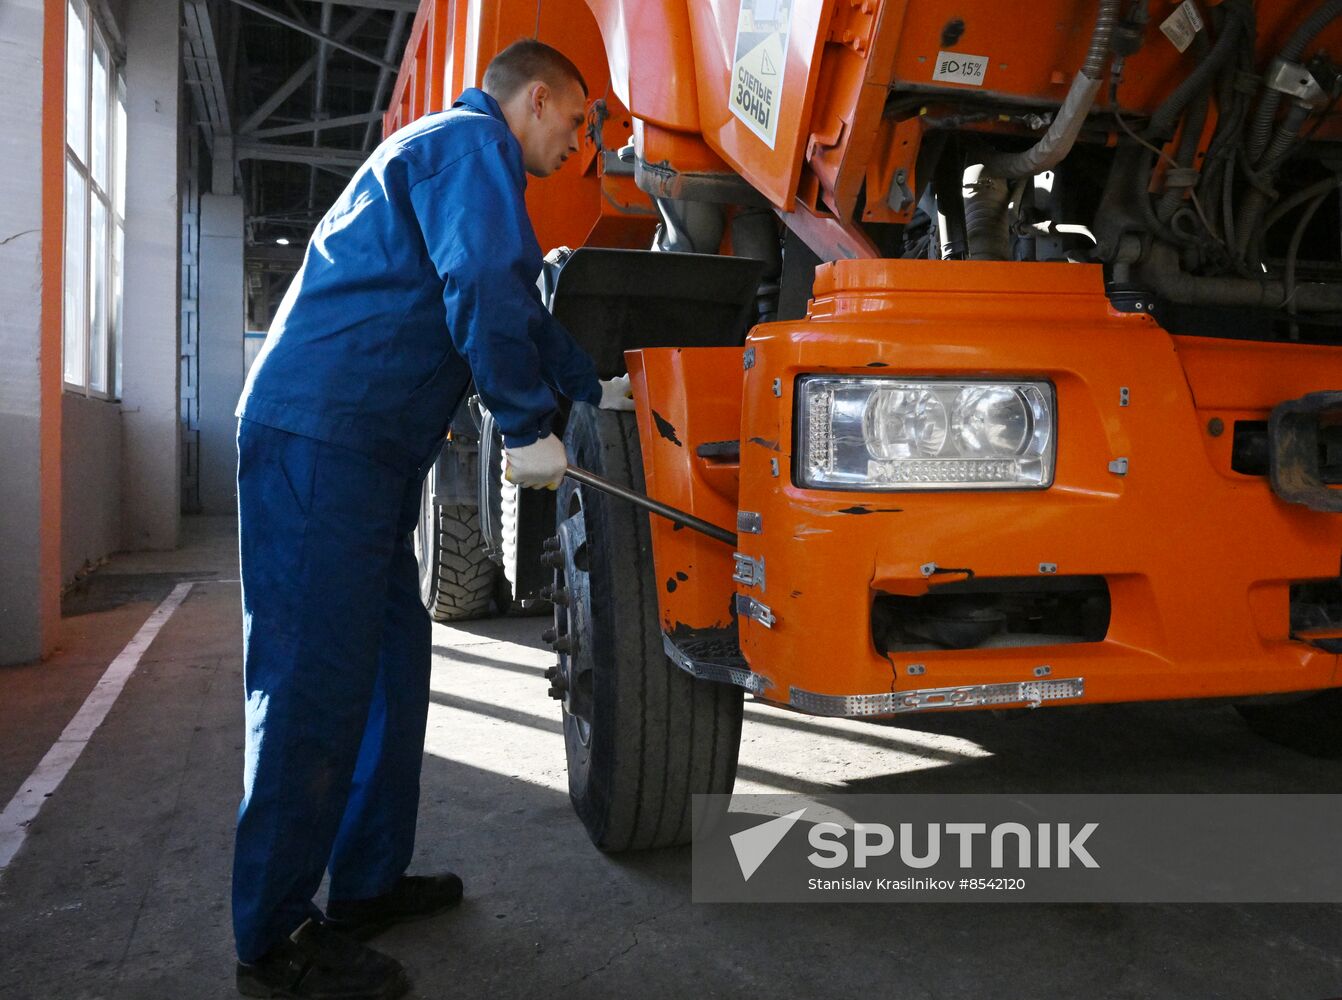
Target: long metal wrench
{"type": "Point", "coordinates": [651, 505]}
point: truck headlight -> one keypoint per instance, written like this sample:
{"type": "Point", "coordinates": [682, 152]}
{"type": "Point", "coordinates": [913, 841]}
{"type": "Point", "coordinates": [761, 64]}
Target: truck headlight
{"type": "Point", "coordinates": [924, 434]}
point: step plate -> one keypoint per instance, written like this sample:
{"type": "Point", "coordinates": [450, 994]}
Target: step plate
{"type": "Point", "coordinates": [714, 658]}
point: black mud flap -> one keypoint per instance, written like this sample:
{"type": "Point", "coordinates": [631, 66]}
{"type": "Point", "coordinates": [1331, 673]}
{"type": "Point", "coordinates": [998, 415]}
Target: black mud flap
{"type": "Point", "coordinates": [614, 301]}
{"type": "Point", "coordinates": [1305, 438]}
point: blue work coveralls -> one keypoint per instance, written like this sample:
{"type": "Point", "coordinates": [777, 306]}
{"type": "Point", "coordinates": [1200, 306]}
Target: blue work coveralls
{"type": "Point", "coordinates": [420, 277]}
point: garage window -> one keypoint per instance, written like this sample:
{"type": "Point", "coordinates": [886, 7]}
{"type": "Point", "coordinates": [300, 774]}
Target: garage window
{"type": "Point", "coordinates": [95, 202]}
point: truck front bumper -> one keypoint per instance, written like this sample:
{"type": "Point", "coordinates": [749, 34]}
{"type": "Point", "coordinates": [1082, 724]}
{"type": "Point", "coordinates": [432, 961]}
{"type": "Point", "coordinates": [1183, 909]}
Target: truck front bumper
{"type": "Point", "coordinates": [1193, 571]}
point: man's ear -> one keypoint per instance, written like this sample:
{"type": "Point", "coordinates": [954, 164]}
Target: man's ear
{"type": "Point", "coordinates": [540, 97]}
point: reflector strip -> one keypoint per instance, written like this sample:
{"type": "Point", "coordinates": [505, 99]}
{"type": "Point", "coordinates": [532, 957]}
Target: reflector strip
{"type": "Point", "coordinates": [1028, 693]}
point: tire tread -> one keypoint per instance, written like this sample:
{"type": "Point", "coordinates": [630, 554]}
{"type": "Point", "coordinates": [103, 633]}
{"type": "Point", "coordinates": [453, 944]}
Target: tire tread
{"type": "Point", "coordinates": [463, 576]}
{"type": "Point", "coordinates": [640, 794]}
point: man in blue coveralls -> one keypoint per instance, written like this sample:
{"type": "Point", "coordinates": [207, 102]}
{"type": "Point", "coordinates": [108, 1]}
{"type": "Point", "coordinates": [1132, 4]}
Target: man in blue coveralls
{"type": "Point", "coordinates": [421, 277]}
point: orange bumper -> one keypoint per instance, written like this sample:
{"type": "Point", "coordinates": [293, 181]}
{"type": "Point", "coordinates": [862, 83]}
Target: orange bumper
{"type": "Point", "coordinates": [1198, 560]}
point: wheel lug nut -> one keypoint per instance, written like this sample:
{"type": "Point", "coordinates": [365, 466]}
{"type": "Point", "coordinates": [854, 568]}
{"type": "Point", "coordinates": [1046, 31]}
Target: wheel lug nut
{"type": "Point", "coordinates": [547, 592]}
{"type": "Point", "coordinates": [549, 635]}
{"type": "Point", "coordinates": [551, 544]}
{"type": "Point", "coordinates": [551, 673]}
{"type": "Point", "coordinates": [557, 692]}
{"type": "Point", "coordinates": [563, 644]}
{"type": "Point", "coordinates": [560, 596]}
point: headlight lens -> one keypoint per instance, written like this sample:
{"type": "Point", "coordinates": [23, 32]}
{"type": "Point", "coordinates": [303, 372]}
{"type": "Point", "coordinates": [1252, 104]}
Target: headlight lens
{"type": "Point", "coordinates": [925, 434]}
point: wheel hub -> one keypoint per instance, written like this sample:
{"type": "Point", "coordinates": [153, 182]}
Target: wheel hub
{"type": "Point", "coordinates": [571, 677]}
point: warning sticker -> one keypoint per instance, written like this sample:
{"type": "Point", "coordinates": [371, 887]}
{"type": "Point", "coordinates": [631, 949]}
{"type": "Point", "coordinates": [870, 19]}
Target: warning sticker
{"type": "Point", "coordinates": [758, 65]}
{"type": "Point", "coordinates": [1181, 26]}
{"type": "Point", "coordinates": [956, 67]}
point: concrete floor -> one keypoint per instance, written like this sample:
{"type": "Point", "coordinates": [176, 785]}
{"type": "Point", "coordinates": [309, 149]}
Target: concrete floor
{"type": "Point", "coordinates": [121, 889]}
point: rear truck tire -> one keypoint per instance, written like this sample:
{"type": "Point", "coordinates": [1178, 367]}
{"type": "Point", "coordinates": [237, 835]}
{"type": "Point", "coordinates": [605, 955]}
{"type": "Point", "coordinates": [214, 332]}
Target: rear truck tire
{"type": "Point", "coordinates": [1312, 725]}
{"type": "Point", "coordinates": [641, 736]}
{"type": "Point", "coordinates": [457, 581]}
{"type": "Point", "coordinates": [507, 503]}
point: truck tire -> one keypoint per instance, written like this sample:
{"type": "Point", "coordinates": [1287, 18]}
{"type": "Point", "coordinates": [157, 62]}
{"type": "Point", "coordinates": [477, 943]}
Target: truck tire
{"type": "Point", "coordinates": [456, 578]}
{"type": "Point", "coordinates": [641, 736]}
{"type": "Point", "coordinates": [1312, 725]}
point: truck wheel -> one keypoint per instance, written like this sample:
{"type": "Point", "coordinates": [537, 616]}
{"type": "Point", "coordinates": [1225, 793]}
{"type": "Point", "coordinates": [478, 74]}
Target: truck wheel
{"type": "Point", "coordinates": [506, 500]}
{"type": "Point", "coordinates": [641, 736]}
{"type": "Point", "coordinates": [456, 578]}
{"type": "Point", "coordinates": [1312, 725]}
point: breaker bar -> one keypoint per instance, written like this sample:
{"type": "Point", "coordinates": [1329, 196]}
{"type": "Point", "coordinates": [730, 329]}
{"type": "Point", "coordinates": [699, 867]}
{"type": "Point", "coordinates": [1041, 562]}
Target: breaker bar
{"type": "Point", "coordinates": [653, 506]}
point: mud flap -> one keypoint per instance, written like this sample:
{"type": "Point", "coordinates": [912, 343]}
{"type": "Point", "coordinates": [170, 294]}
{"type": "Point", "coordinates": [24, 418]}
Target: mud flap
{"type": "Point", "coordinates": [614, 301]}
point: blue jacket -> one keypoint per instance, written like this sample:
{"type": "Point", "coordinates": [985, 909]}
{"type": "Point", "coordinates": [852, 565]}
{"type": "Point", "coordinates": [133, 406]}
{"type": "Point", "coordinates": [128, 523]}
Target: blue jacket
{"type": "Point", "coordinates": [422, 275]}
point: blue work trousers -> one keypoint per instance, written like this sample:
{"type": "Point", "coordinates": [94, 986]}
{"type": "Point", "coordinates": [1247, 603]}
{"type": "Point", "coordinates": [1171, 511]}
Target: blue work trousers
{"type": "Point", "coordinates": [336, 655]}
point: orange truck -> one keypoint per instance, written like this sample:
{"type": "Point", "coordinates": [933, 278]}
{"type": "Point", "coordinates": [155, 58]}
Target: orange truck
{"type": "Point", "coordinates": [1004, 338]}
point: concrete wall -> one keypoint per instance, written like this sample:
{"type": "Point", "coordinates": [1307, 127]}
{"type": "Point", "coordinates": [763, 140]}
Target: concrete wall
{"type": "Point", "coordinates": [90, 482]}
{"type": "Point", "coordinates": [120, 463]}
{"type": "Point", "coordinates": [151, 462]}
{"type": "Point", "coordinates": [222, 365]}
{"type": "Point", "coordinates": [29, 332]}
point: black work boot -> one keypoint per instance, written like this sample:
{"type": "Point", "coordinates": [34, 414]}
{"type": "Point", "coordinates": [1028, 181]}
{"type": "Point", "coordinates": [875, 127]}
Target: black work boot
{"type": "Point", "coordinates": [318, 963]}
{"type": "Point", "coordinates": [413, 897]}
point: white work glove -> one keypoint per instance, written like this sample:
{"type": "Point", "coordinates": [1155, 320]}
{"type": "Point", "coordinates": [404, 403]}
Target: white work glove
{"type": "Point", "coordinates": [540, 464]}
{"type": "Point", "coordinates": [616, 394]}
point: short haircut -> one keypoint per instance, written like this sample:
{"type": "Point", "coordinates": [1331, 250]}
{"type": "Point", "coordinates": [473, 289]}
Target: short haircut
{"type": "Point", "coordinates": [527, 60]}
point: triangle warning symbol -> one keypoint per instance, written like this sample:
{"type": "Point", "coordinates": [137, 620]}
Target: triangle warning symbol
{"type": "Point", "coordinates": [766, 65]}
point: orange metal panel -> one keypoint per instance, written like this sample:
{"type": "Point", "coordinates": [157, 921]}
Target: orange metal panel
{"type": "Point", "coordinates": [648, 49]}
{"type": "Point", "coordinates": [626, 218]}
{"type": "Point", "coordinates": [451, 43]}
{"type": "Point", "coordinates": [437, 56]}
{"type": "Point", "coordinates": [772, 170]}
{"type": "Point", "coordinates": [852, 93]}
{"type": "Point", "coordinates": [1233, 380]}
{"type": "Point", "coordinates": [686, 398]}
{"type": "Point", "coordinates": [893, 172]}
{"type": "Point", "coordinates": [1033, 52]}
{"type": "Point", "coordinates": [1238, 373]}
{"type": "Point", "coordinates": [845, 56]}
{"type": "Point", "coordinates": [1034, 49]}
{"type": "Point", "coordinates": [398, 111]}
{"type": "Point", "coordinates": [1198, 559]}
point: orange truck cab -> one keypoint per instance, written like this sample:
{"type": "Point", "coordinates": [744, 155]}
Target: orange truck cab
{"type": "Point", "coordinates": [1005, 339]}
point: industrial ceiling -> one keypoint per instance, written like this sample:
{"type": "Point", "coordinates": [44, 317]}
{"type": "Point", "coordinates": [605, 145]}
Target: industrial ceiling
{"type": "Point", "coordinates": [289, 96]}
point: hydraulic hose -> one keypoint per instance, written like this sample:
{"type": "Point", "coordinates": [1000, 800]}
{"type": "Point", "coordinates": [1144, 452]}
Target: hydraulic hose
{"type": "Point", "coordinates": [1188, 146]}
{"type": "Point", "coordinates": [1167, 115]}
{"type": "Point", "coordinates": [1299, 198]}
{"type": "Point", "coordinates": [1163, 274]}
{"type": "Point", "coordinates": [1257, 199]}
{"type": "Point", "coordinates": [1261, 125]}
{"type": "Point", "coordinates": [986, 227]}
{"type": "Point", "coordinates": [1284, 139]}
{"type": "Point", "coordinates": [1218, 166]}
{"type": "Point", "coordinates": [1142, 199]}
{"type": "Point", "coordinates": [1293, 255]}
{"type": "Point", "coordinates": [1057, 142]}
